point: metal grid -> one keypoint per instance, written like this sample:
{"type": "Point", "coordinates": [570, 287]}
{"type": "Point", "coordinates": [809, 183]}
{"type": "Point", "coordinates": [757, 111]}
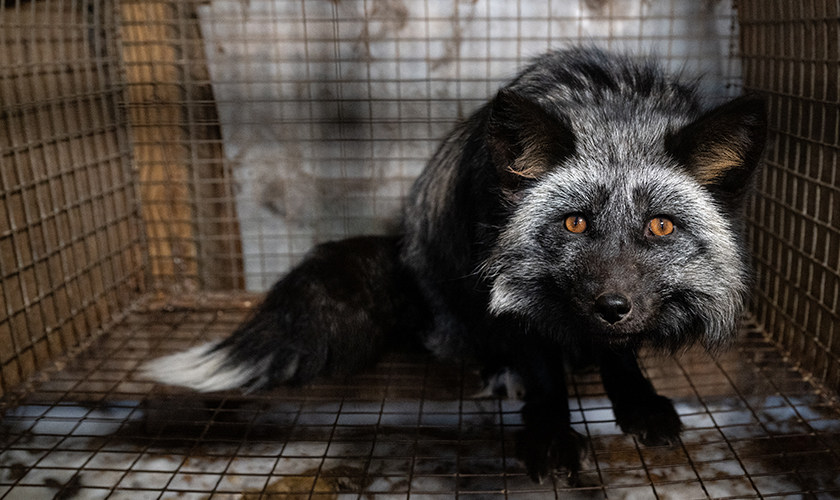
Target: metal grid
{"type": "Point", "coordinates": [186, 189]}
{"type": "Point", "coordinates": [259, 128]}
{"type": "Point", "coordinates": [69, 244]}
{"type": "Point", "coordinates": [405, 429]}
{"type": "Point", "coordinates": [321, 114]}
{"type": "Point", "coordinates": [790, 53]}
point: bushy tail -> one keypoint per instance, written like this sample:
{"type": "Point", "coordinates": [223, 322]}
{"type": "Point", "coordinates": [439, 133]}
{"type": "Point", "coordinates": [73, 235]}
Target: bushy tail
{"type": "Point", "coordinates": [333, 314]}
{"type": "Point", "coordinates": [208, 367]}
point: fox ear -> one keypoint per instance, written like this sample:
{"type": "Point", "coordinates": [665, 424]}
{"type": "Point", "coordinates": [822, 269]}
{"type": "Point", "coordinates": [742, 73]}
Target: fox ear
{"type": "Point", "coordinates": [524, 140]}
{"type": "Point", "coordinates": [722, 148]}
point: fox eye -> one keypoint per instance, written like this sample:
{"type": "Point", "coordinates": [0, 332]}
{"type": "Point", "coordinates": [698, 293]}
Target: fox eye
{"type": "Point", "coordinates": [661, 226]}
{"type": "Point", "coordinates": [575, 223]}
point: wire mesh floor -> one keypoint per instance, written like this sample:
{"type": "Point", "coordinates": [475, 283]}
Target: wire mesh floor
{"type": "Point", "coordinates": [404, 429]}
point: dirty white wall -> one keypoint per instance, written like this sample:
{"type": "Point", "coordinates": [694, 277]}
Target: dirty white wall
{"type": "Point", "coordinates": [329, 109]}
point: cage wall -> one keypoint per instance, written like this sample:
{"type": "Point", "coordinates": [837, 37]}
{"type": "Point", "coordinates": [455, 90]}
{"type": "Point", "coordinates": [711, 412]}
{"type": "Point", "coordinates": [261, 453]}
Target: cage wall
{"type": "Point", "coordinates": [185, 186]}
{"type": "Point", "coordinates": [70, 248]}
{"type": "Point", "coordinates": [291, 123]}
{"type": "Point", "coordinates": [790, 54]}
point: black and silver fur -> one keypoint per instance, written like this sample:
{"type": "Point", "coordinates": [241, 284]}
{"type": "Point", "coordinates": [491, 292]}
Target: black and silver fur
{"type": "Point", "coordinates": [488, 268]}
{"type": "Point", "coordinates": [333, 314]}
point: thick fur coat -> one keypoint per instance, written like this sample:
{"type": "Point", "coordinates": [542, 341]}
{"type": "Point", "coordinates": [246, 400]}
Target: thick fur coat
{"type": "Point", "coordinates": [594, 206]}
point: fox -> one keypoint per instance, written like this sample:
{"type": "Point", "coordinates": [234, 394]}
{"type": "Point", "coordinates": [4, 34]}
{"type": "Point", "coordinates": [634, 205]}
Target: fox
{"type": "Point", "coordinates": [593, 207]}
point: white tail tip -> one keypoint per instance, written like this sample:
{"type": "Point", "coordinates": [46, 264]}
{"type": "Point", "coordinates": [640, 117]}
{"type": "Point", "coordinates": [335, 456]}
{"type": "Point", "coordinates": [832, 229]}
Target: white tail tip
{"type": "Point", "coordinates": [206, 370]}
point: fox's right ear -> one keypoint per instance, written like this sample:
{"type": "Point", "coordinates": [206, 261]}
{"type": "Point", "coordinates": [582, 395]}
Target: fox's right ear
{"type": "Point", "coordinates": [524, 139]}
{"type": "Point", "coordinates": [722, 148]}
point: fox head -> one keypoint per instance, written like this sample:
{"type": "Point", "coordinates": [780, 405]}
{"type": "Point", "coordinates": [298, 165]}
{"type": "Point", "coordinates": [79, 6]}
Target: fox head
{"type": "Point", "coordinates": [626, 213]}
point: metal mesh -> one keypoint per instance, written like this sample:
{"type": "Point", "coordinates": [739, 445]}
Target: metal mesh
{"type": "Point", "coordinates": [185, 187]}
{"type": "Point", "coordinates": [69, 244]}
{"type": "Point", "coordinates": [406, 429]}
{"type": "Point", "coordinates": [315, 117]}
{"type": "Point", "coordinates": [217, 141]}
{"type": "Point", "coordinates": [790, 53]}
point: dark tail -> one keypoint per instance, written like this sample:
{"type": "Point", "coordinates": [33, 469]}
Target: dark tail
{"type": "Point", "coordinates": [333, 314]}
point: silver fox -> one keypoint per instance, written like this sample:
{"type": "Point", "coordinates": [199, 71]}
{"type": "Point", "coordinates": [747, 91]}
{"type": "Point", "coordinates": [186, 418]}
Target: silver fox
{"type": "Point", "coordinates": [594, 206]}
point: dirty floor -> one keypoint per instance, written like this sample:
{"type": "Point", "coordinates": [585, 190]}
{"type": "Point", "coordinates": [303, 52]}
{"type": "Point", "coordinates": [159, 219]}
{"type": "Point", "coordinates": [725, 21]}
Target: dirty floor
{"type": "Point", "coordinates": [407, 429]}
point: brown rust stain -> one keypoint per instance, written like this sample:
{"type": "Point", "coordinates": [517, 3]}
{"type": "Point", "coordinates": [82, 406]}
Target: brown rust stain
{"type": "Point", "coordinates": [387, 17]}
{"type": "Point", "coordinates": [327, 484]}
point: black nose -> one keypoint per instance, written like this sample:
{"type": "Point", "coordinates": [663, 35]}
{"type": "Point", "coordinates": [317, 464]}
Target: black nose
{"type": "Point", "coordinates": [612, 307]}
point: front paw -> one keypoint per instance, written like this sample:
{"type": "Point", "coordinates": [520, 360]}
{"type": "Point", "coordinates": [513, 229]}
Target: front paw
{"type": "Point", "coordinates": [544, 454]}
{"type": "Point", "coordinates": [654, 421]}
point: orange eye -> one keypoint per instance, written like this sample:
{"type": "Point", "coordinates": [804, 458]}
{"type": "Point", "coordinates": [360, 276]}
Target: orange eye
{"type": "Point", "coordinates": [661, 226]}
{"type": "Point", "coordinates": [576, 223]}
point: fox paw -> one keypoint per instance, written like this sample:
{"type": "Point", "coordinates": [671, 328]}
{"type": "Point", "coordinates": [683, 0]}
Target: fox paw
{"type": "Point", "coordinates": [654, 422]}
{"type": "Point", "coordinates": [543, 455]}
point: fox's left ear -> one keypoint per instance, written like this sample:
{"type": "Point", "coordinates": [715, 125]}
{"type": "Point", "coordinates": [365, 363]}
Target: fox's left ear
{"type": "Point", "coordinates": [722, 148]}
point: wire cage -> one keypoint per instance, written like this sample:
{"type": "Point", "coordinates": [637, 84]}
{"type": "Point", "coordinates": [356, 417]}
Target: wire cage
{"type": "Point", "coordinates": [162, 162]}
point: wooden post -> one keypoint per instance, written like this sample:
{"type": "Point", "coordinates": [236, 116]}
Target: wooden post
{"type": "Point", "coordinates": [155, 112]}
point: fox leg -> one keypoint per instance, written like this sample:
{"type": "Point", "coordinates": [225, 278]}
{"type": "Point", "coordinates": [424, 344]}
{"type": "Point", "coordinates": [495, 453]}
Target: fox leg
{"type": "Point", "coordinates": [547, 441]}
{"type": "Point", "coordinates": [638, 409]}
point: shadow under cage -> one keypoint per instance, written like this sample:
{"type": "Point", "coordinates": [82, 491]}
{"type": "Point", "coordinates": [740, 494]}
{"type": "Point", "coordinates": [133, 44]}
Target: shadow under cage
{"type": "Point", "coordinates": [162, 163]}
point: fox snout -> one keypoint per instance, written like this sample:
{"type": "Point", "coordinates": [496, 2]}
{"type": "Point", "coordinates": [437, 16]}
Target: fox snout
{"type": "Point", "coordinates": [612, 307]}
